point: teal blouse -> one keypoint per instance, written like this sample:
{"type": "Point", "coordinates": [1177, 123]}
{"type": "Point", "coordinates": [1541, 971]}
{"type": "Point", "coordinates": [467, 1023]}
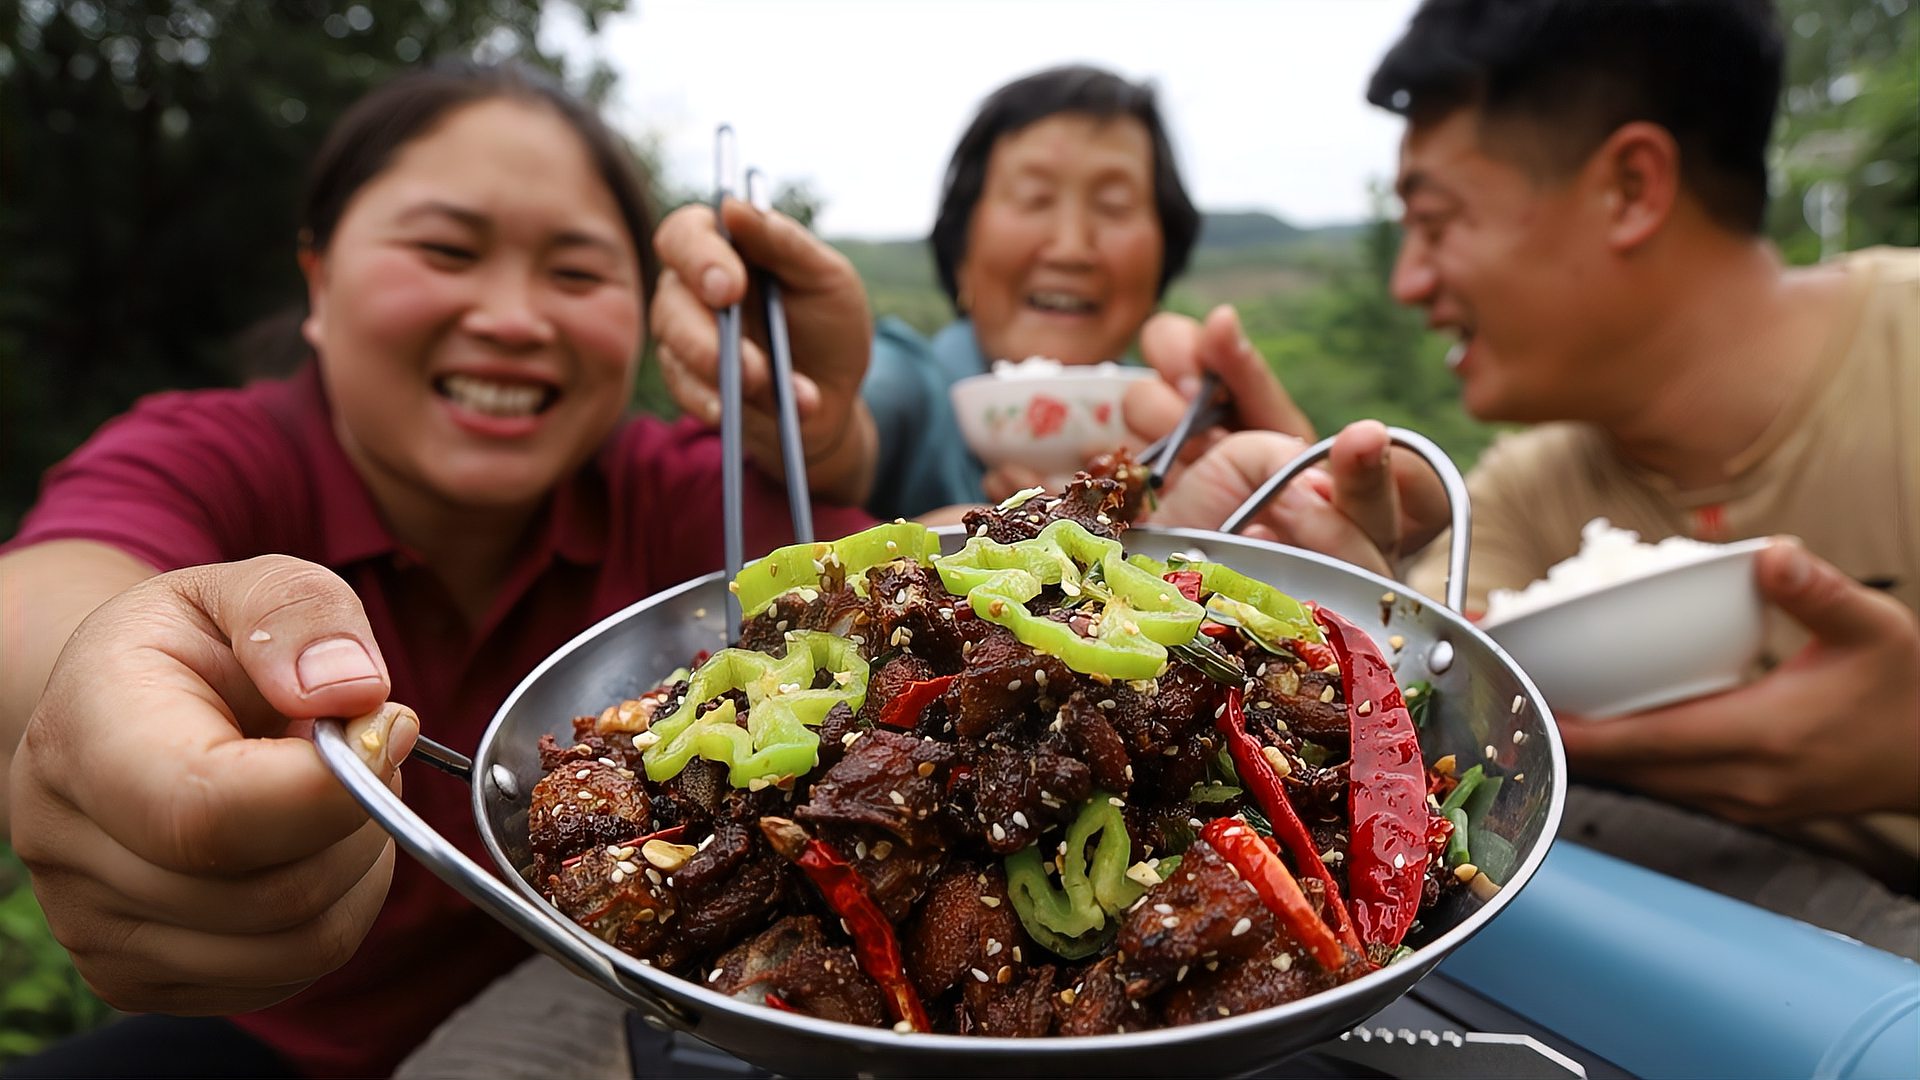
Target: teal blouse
{"type": "Point", "coordinates": [924, 463]}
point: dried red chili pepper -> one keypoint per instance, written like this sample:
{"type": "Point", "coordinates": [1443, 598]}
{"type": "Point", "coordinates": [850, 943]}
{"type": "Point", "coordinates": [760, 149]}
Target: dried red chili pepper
{"type": "Point", "coordinates": [776, 1001]}
{"type": "Point", "coordinates": [846, 893]}
{"type": "Point", "coordinates": [1277, 889]}
{"type": "Point", "coordinates": [1317, 656]}
{"type": "Point", "coordinates": [907, 705]}
{"type": "Point", "coordinates": [1259, 778]}
{"type": "Point", "coordinates": [1188, 582]}
{"type": "Point", "coordinates": [1387, 795]}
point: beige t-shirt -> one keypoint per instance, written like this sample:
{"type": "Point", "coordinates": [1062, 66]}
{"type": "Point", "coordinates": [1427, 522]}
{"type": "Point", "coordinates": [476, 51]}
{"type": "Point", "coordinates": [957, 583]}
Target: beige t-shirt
{"type": "Point", "coordinates": [1841, 471]}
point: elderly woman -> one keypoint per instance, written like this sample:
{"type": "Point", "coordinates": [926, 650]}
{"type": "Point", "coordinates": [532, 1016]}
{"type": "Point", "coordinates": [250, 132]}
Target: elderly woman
{"type": "Point", "coordinates": [1062, 220]}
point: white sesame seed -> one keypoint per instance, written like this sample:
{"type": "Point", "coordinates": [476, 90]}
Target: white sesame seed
{"type": "Point", "coordinates": [979, 976]}
{"type": "Point", "coordinates": [617, 876]}
{"type": "Point", "coordinates": [1013, 684]}
{"type": "Point", "coordinates": [1283, 961]}
{"type": "Point", "coordinates": [1365, 708]}
{"type": "Point", "coordinates": [1388, 598]}
{"type": "Point", "coordinates": [1519, 737]}
{"type": "Point", "coordinates": [906, 1026]}
{"type": "Point", "coordinates": [1181, 975]}
{"type": "Point", "coordinates": [1015, 951]}
{"type": "Point", "coordinates": [1399, 861]}
{"type": "Point", "coordinates": [1396, 642]}
{"type": "Point", "coordinates": [1242, 926]}
{"type": "Point", "coordinates": [1491, 752]}
{"type": "Point", "coordinates": [990, 901]}
{"type": "Point", "coordinates": [993, 946]}
{"type": "Point", "coordinates": [1163, 909]}
{"type": "Point", "coordinates": [1115, 800]}
{"type": "Point", "coordinates": [586, 796]}
{"type": "Point", "coordinates": [1020, 819]}
{"type": "Point", "coordinates": [998, 832]}
{"type": "Point", "coordinates": [897, 798]}
{"type": "Point", "coordinates": [1170, 921]}
{"type": "Point", "coordinates": [583, 774]}
{"type": "Point", "coordinates": [1519, 703]}
{"type": "Point", "coordinates": [1326, 693]}
{"type": "Point", "coordinates": [717, 972]}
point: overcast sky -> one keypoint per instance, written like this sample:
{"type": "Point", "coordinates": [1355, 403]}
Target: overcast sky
{"type": "Point", "coordinates": [865, 98]}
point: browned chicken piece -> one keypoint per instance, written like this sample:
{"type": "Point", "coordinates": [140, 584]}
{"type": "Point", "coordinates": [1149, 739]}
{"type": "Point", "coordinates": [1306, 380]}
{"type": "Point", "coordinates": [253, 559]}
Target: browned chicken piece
{"type": "Point", "coordinates": [1278, 973]}
{"type": "Point", "coordinates": [792, 961]}
{"type": "Point", "coordinates": [1081, 730]}
{"type": "Point", "coordinates": [1001, 682]}
{"type": "Point", "coordinates": [887, 779]}
{"type": "Point", "coordinates": [1299, 702]}
{"type": "Point", "coordinates": [1096, 1003]}
{"type": "Point", "coordinates": [1020, 793]}
{"type": "Point", "coordinates": [582, 803]}
{"type": "Point", "coordinates": [613, 892]}
{"type": "Point", "coordinates": [966, 924]}
{"type": "Point", "coordinates": [732, 884]}
{"type": "Point", "coordinates": [837, 610]}
{"type": "Point", "coordinates": [1094, 502]}
{"type": "Point", "coordinates": [1132, 476]}
{"type": "Point", "coordinates": [1203, 913]}
{"type": "Point", "coordinates": [913, 611]}
{"type": "Point", "coordinates": [1014, 1001]}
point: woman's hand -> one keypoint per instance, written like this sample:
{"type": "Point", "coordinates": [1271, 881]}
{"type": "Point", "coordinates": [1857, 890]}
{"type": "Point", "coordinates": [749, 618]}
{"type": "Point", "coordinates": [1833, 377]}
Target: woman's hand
{"type": "Point", "coordinates": [828, 324]}
{"type": "Point", "coordinates": [1833, 731]}
{"type": "Point", "coordinates": [189, 846]}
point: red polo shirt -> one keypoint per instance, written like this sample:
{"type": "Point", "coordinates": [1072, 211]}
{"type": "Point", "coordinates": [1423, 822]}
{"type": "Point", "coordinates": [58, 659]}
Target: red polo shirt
{"type": "Point", "coordinates": [207, 476]}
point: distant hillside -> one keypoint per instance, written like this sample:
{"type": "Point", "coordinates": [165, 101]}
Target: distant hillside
{"type": "Point", "coordinates": [1241, 255]}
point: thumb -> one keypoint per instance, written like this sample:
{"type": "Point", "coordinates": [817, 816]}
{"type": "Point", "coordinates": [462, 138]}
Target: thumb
{"type": "Point", "coordinates": [299, 634]}
{"type": "Point", "coordinates": [1258, 398]}
{"type": "Point", "coordinates": [783, 247]}
{"type": "Point", "coordinates": [1834, 608]}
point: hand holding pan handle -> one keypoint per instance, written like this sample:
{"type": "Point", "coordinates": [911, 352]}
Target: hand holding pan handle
{"type": "Point", "coordinates": [541, 927]}
{"type": "Point", "coordinates": [1441, 656]}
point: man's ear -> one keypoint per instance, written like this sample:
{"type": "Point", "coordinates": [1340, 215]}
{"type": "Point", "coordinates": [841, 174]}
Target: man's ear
{"type": "Point", "coordinates": [1637, 172]}
{"type": "Point", "coordinates": [313, 268]}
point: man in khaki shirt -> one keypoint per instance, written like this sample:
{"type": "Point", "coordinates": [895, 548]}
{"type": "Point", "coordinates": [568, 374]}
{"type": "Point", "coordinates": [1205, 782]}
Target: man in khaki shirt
{"type": "Point", "coordinates": [1584, 187]}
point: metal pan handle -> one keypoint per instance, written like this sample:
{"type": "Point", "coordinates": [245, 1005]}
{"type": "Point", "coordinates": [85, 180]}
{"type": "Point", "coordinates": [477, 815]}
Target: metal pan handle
{"type": "Point", "coordinates": [538, 926]}
{"type": "Point", "coordinates": [1436, 459]}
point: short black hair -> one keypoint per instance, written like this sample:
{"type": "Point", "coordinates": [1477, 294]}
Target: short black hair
{"type": "Point", "coordinates": [1076, 88]}
{"type": "Point", "coordinates": [1574, 71]}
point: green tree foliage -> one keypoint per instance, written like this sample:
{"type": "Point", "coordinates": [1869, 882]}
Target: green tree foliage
{"type": "Point", "coordinates": [1847, 153]}
{"type": "Point", "coordinates": [151, 155]}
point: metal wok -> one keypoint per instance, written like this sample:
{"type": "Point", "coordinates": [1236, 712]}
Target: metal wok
{"type": "Point", "coordinates": [1485, 706]}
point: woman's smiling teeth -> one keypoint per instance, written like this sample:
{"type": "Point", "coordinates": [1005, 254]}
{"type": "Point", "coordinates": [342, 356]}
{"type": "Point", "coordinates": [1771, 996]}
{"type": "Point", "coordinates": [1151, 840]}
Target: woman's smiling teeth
{"type": "Point", "coordinates": [494, 398]}
{"type": "Point", "coordinates": [1066, 303]}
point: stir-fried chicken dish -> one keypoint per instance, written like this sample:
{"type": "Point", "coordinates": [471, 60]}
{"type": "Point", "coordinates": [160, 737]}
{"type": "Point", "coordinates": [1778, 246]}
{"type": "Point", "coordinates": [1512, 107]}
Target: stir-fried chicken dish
{"type": "Point", "coordinates": [1037, 787]}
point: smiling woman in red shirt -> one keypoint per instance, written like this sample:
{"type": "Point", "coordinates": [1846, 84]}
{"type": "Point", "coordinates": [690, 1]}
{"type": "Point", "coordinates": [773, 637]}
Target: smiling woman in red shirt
{"type": "Point", "coordinates": [444, 494]}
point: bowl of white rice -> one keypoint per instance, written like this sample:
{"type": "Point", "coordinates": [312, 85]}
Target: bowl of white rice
{"type": "Point", "coordinates": [1625, 626]}
{"type": "Point", "coordinates": [1045, 415]}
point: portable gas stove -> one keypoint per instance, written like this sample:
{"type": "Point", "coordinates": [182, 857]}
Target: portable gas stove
{"type": "Point", "coordinates": [1599, 969]}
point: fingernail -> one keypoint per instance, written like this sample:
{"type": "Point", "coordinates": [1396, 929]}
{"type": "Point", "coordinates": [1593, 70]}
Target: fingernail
{"type": "Point", "coordinates": [1244, 345]}
{"type": "Point", "coordinates": [1380, 459]}
{"type": "Point", "coordinates": [402, 735]}
{"type": "Point", "coordinates": [332, 662]}
{"type": "Point", "coordinates": [1189, 386]}
{"type": "Point", "coordinates": [714, 285]}
{"type": "Point", "coordinates": [806, 394]}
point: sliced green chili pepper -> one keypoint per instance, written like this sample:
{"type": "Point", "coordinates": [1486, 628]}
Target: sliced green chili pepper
{"type": "Point", "coordinates": [1142, 614]}
{"type": "Point", "coordinates": [1244, 592]}
{"type": "Point", "coordinates": [1457, 798]}
{"type": "Point", "coordinates": [1075, 918]}
{"type": "Point", "coordinates": [781, 710]}
{"type": "Point", "coordinates": [1458, 850]}
{"type": "Point", "coordinates": [799, 566]}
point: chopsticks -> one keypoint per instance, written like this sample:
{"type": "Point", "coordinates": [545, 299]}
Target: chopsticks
{"type": "Point", "coordinates": [732, 449]}
{"type": "Point", "coordinates": [792, 455]}
{"type": "Point", "coordinates": [732, 474]}
{"type": "Point", "coordinates": [1203, 412]}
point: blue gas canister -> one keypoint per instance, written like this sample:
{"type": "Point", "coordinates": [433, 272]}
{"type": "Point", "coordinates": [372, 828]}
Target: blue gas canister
{"type": "Point", "coordinates": [1666, 979]}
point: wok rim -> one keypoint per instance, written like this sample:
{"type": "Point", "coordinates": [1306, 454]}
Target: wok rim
{"type": "Point", "coordinates": [630, 968]}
